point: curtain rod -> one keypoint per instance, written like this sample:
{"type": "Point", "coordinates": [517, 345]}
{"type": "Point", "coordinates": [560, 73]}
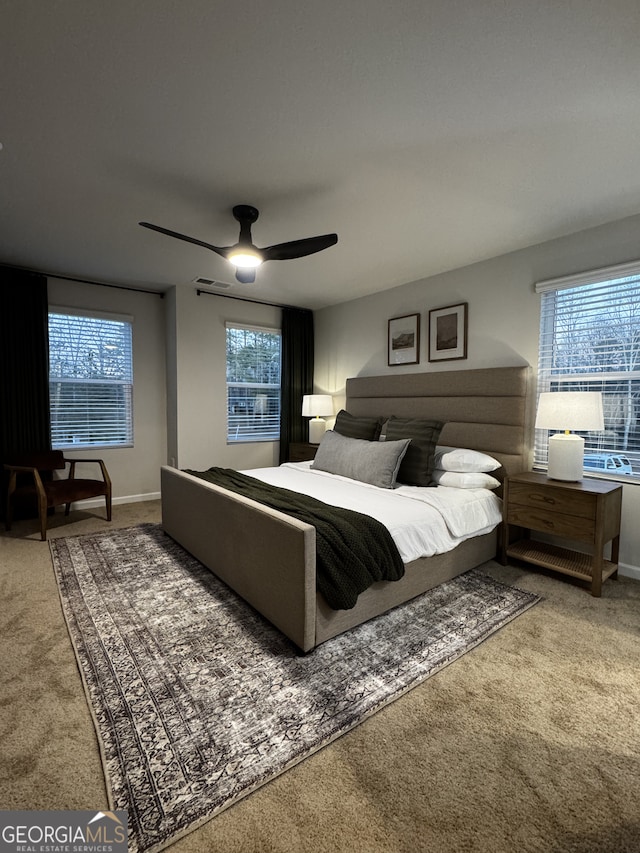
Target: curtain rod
{"type": "Point", "coordinates": [246, 299]}
{"type": "Point", "coordinates": [84, 280]}
{"type": "Point", "coordinates": [159, 293]}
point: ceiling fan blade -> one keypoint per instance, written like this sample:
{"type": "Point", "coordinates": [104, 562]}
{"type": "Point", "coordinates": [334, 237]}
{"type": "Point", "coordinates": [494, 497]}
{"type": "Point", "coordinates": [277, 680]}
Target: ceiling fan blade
{"type": "Point", "coordinates": [246, 275]}
{"type": "Point", "coordinates": [299, 248]}
{"type": "Point", "coordinates": [220, 250]}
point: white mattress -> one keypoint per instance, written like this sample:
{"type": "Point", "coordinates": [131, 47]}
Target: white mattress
{"type": "Point", "coordinates": [422, 521]}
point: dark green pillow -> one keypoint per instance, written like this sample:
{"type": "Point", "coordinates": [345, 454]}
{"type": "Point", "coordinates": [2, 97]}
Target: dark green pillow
{"type": "Point", "coordinates": [351, 427]}
{"type": "Point", "coordinates": [417, 465]}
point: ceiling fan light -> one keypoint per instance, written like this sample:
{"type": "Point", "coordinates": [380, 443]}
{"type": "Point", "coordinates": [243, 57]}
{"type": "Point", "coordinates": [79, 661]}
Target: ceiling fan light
{"type": "Point", "coordinates": [245, 258]}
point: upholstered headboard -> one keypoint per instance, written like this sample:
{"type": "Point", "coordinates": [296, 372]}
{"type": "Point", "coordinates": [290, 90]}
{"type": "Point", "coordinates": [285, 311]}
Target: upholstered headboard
{"type": "Point", "coordinates": [485, 409]}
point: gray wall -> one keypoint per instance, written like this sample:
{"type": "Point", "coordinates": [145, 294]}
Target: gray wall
{"type": "Point", "coordinates": [504, 313]}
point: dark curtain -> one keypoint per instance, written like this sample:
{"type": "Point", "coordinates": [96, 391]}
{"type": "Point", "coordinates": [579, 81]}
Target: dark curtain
{"type": "Point", "coordinates": [296, 377]}
{"type": "Point", "coordinates": [24, 366]}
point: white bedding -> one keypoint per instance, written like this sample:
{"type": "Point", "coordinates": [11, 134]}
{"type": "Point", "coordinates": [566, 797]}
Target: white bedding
{"type": "Point", "coordinates": [422, 521]}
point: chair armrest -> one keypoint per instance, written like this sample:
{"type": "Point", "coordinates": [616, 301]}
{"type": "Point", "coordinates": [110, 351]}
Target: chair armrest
{"type": "Point", "coordinates": [14, 469]}
{"type": "Point", "coordinates": [100, 462]}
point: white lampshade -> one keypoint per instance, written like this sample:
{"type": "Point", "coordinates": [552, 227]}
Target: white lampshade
{"type": "Point", "coordinates": [568, 410]}
{"type": "Point", "coordinates": [581, 410]}
{"type": "Point", "coordinates": [317, 406]}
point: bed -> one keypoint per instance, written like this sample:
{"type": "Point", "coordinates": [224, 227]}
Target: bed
{"type": "Point", "coordinates": [269, 558]}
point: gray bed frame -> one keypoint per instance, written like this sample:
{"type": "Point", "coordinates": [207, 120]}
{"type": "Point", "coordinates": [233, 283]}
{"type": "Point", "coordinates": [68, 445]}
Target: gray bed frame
{"type": "Point", "coordinates": [269, 558]}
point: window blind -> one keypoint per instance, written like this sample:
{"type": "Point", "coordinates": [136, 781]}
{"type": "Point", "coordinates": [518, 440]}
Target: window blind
{"type": "Point", "coordinates": [590, 341]}
{"type": "Point", "coordinates": [90, 380]}
{"type": "Point", "coordinates": [253, 383]}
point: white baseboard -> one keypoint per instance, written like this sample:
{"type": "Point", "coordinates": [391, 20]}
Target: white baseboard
{"type": "Point", "coordinates": [134, 499]}
{"type": "Point", "coordinates": [629, 571]}
{"type": "Point", "coordinates": [125, 499]}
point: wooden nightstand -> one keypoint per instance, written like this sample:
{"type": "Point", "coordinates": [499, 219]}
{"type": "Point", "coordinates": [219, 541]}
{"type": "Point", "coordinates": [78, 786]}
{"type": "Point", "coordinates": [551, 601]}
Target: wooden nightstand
{"type": "Point", "coordinates": [587, 511]}
{"type": "Point", "coordinates": [302, 451]}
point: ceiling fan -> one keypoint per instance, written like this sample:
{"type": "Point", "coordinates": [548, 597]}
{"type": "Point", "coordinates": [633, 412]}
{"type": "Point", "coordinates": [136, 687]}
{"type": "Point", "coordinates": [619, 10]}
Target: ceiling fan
{"type": "Point", "coordinates": [244, 255]}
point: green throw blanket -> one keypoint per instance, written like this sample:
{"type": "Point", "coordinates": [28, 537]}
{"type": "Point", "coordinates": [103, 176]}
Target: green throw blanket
{"type": "Point", "coordinates": [353, 550]}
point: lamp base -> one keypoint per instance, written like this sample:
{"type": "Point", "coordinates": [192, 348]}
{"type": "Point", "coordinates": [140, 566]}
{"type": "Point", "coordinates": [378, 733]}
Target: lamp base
{"type": "Point", "coordinates": [566, 457]}
{"type": "Point", "coordinates": [317, 428]}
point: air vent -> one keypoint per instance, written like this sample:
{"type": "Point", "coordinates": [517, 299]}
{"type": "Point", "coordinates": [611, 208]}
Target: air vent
{"type": "Point", "coordinates": [211, 282]}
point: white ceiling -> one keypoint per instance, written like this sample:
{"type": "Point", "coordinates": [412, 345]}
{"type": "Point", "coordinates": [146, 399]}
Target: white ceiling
{"type": "Point", "coordinates": [428, 134]}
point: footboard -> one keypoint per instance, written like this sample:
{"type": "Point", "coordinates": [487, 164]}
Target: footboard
{"type": "Point", "coordinates": [267, 557]}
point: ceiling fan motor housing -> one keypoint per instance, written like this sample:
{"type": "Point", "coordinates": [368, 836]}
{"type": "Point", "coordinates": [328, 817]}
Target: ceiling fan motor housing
{"type": "Point", "coordinates": [246, 213]}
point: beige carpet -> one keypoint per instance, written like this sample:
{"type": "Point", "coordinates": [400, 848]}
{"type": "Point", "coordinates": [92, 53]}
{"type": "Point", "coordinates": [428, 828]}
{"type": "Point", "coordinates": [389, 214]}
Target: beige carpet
{"type": "Point", "coordinates": [531, 742]}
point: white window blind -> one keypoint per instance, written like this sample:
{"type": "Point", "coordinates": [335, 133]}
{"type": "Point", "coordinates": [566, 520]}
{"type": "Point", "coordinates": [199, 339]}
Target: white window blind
{"type": "Point", "coordinates": [590, 341]}
{"type": "Point", "coordinates": [90, 380]}
{"type": "Point", "coordinates": [253, 383]}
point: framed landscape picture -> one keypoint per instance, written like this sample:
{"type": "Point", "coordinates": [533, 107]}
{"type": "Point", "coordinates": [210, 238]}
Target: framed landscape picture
{"type": "Point", "coordinates": [448, 332]}
{"type": "Point", "coordinates": [404, 340]}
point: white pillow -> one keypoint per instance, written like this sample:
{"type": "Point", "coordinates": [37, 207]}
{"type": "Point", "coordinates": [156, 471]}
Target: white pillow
{"type": "Point", "coordinates": [464, 461]}
{"type": "Point", "coordinates": [373, 462]}
{"type": "Point", "coordinates": [457, 480]}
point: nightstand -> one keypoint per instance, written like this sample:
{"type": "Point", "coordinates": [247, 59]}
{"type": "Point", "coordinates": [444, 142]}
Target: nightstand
{"type": "Point", "coordinates": [587, 511]}
{"type": "Point", "coordinates": [302, 451]}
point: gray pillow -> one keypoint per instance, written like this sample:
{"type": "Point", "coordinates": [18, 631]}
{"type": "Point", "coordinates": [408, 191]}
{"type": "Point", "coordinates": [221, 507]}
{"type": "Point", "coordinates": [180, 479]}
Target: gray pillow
{"type": "Point", "coordinates": [373, 462]}
{"type": "Point", "coordinates": [418, 462]}
{"type": "Point", "coordinates": [352, 427]}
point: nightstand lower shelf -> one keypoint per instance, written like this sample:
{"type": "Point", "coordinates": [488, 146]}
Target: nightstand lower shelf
{"type": "Point", "coordinates": [559, 559]}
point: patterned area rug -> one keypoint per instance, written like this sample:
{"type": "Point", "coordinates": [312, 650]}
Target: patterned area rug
{"type": "Point", "coordinates": [198, 701]}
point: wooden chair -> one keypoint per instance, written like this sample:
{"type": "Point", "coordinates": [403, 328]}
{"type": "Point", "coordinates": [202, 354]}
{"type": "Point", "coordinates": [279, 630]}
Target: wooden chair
{"type": "Point", "coordinates": [51, 492]}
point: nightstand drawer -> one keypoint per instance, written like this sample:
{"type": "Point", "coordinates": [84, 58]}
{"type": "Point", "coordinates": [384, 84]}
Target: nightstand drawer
{"type": "Point", "coordinates": [550, 521]}
{"type": "Point", "coordinates": [553, 499]}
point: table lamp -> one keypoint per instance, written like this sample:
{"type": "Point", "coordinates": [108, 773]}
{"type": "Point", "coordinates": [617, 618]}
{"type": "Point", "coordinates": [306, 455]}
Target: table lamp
{"type": "Point", "coordinates": [568, 410]}
{"type": "Point", "coordinates": [317, 407]}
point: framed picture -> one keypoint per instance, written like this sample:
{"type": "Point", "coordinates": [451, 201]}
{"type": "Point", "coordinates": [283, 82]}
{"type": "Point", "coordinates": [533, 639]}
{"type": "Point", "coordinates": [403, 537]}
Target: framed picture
{"type": "Point", "coordinates": [448, 332]}
{"type": "Point", "coordinates": [404, 340]}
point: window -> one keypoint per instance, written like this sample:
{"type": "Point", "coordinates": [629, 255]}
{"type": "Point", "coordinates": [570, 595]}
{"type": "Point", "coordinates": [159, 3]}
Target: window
{"type": "Point", "coordinates": [253, 384]}
{"type": "Point", "coordinates": [590, 341]}
{"type": "Point", "coordinates": [90, 380]}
